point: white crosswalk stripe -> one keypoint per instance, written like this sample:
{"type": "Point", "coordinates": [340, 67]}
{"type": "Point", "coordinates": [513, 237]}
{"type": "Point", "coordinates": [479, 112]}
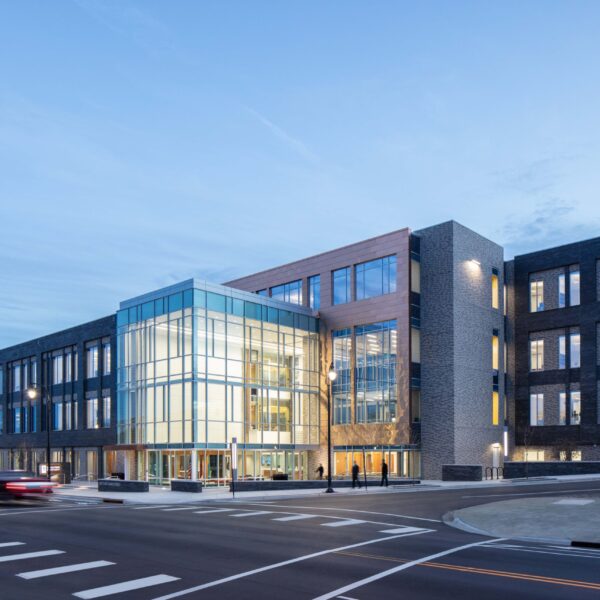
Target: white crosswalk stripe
{"type": "Point", "coordinates": [252, 514]}
{"type": "Point", "coordinates": [149, 507]}
{"type": "Point", "coordinates": [213, 510]}
{"type": "Point", "coordinates": [295, 518]}
{"type": "Point", "coordinates": [66, 569]}
{"type": "Point", "coordinates": [125, 586]}
{"type": "Point", "coordinates": [404, 530]}
{"type": "Point", "coordinates": [8, 544]}
{"type": "Point", "coordinates": [27, 555]}
{"type": "Point", "coordinates": [180, 508]}
{"type": "Point", "coordinates": [343, 523]}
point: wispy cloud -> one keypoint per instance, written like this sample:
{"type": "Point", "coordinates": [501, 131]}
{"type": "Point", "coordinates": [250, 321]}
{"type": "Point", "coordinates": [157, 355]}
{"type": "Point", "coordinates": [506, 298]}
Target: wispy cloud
{"type": "Point", "coordinates": [291, 142]}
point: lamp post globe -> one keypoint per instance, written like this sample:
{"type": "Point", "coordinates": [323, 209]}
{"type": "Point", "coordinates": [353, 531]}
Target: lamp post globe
{"type": "Point", "coordinates": [331, 377]}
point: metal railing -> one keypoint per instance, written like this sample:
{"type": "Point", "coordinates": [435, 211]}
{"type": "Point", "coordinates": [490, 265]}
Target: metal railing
{"type": "Point", "coordinates": [494, 473]}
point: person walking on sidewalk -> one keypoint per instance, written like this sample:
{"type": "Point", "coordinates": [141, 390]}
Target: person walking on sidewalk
{"type": "Point", "coordinates": [320, 470]}
{"type": "Point", "coordinates": [355, 472]}
{"type": "Point", "coordinates": [384, 473]}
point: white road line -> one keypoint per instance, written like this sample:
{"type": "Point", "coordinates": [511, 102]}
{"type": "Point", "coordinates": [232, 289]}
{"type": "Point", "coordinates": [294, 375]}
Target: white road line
{"type": "Point", "coordinates": [295, 518]}
{"type": "Point", "coordinates": [26, 555]}
{"type": "Point", "coordinates": [367, 512]}
{"type": "Point", "coordinates": [404, 530]}
{"type": "Point", "coordinates": [148, 507]}
{"type": "Point", "coordinates": [181, 508]}
{"type": "Point", "coordinates": [346, 598]}
{"type": "Point", "coordinates": [408, 565]}
{"type": "Point", "coordinates": [53, 510]}
{"type": "Point", "coordinates": [576, 549]}
{"type": "Point", "coordinates": [343, 523]}
{"type": "Point", "coordinates": [284, 563]}
{"type": "Point", "coordinates": [126, 586]}
{"type": "Point", "coordinates": [213, 510]}
{"type": "Point", "coordinates": [8, 544]}
{"type": "Point", "coordinates": [252, 514]}
{"type": "Point", "coordinates": [66, 569]}
{"type": "Point", "coordinates": [554, 552]}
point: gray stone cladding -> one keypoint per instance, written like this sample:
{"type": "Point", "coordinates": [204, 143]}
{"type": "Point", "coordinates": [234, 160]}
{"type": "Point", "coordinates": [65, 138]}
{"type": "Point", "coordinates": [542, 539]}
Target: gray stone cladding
{"type": "Point", "coordinates": [457, 324]}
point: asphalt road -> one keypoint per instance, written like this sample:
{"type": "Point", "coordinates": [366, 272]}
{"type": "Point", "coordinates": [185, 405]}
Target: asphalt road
{"type": "Point", "coordinates": [358, 546]}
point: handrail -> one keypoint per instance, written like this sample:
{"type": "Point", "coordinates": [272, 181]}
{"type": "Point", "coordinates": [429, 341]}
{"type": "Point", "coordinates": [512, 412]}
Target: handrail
{"type": "Point", "coordinates": [494, 473]}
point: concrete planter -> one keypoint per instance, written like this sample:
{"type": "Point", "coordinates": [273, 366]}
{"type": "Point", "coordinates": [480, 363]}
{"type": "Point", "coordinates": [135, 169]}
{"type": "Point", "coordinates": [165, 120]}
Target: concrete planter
{"type": "Point", "coordinates": [518, 470]}
{"type": "Point", "coordinates": [120, 485]}
{"type": "Point", "coordinates": [186, 485]}
{"type": "Point", "coordinates": [462, 472]}
{"type": "Point", "coordinates": [257, 486]}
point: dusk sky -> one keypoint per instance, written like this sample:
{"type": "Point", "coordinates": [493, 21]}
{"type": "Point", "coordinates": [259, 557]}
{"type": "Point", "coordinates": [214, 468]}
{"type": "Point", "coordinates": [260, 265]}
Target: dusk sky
{"type": "Point", "coordinates": [143, 143]}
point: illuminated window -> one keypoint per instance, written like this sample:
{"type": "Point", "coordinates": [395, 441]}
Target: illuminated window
{"type": "Point", "coordinates": [575, 408]}
{"type": "Point", "coordinates": [536, 296]}
{"type": "Point", "coordinates": [495, 289]}
{"type": "Point", "coordinates": [536, 403]}
{"type": "Point", "coordinates": [536, 355]}
{"type": "Point", "coordinates": [92, 361]}
{"type": "Point", "coordinates": [495, 408]}
{"type": "Point", "coordinates": [574, 288]}
{"type": "Point", "coordinates": [575, 351]}
{"type": "Point", "coordinates": [575, 454]}
{"type": "Point", "coordinates": [562, 352]}
{"type": "Point", "coordinates": [534, 455]}
{"type": "Point", "coordinates": [495, 353]}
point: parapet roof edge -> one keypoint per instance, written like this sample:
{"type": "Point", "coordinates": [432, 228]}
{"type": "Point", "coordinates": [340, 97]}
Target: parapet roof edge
{"type": "Point", "coordinates": [216, 288]}
{"type": "Point", "coordinates": [299, 260]}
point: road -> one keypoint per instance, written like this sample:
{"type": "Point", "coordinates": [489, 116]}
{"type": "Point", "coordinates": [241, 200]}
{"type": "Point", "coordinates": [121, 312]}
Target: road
{"type": "Point", "coordinates": [358, 546]}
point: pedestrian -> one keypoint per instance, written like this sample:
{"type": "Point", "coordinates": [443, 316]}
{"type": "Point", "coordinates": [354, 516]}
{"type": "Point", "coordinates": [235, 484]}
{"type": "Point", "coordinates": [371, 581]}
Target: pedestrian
{"type": "Point", "coordinates": [384, 473]}
{"type": "Point", "coordinates": [355, 472]}
{"type": "Point", "coordinates": [320, 470]}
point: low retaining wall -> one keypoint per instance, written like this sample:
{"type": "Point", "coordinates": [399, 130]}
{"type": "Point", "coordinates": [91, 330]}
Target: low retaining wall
{"type": "Point", "coordinates": [313, 484]}
{"type": "Point", "coordinates": [120, 485]}
{"type": "Point", "coordinates": [186, 485]}
{"type": "Point", "coordinates": [518, 470]}
{"type": "Point", "coordinates": [462, 472]}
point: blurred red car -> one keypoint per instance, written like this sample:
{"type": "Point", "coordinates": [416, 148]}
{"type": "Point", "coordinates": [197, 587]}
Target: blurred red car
{"type": "Point", "coordinates": [19, 483]}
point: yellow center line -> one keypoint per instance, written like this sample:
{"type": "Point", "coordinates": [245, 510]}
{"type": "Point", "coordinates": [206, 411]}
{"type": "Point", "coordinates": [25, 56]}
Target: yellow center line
{"type": "Point", "coordinates": [508, 574]}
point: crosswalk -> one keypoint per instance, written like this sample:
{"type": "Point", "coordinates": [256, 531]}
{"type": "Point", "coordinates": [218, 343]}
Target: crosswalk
{"type": "Point", "coordinates": [64, 570]}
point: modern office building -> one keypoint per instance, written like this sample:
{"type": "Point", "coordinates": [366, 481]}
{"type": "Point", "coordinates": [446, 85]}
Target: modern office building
{"type": "Point", "coordinates": [444, 354]}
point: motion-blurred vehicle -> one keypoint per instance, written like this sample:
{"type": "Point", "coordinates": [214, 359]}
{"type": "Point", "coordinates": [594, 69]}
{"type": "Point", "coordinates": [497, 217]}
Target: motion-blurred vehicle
{"type": "Point", "coordinates": [14, 484]}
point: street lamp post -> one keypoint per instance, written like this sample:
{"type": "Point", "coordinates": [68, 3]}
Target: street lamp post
{"type": "Point", "coordinates": [331, 377]}
{"type": "Point", "coordinates": [32, 394]}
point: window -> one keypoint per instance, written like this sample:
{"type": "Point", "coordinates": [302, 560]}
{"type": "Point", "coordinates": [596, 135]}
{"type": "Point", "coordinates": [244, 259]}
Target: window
{"type": "Point", "coordinates": [92, 412]}
{"type": "Point", "coordinates": [495, 353]}
{"type": "Point", "coordinates": [495, 408]}
{"type": "Point", "coordinates": [106, 403]}
{"type": "Point", "coordinates": [263, 293]}
{"type": "Point", "coordinates": [57, 369]}
{"type": "Point", "coordinates": [562, 408]}
{"type": "Point", "coordinates": [575, 408]}
{"type": "Point", "coordinates": [69, 366]}
{"type": "Point", "coordinates": [375, 372]}
{"type": "Point", "coordinates": [376, 277]}
{"type": "Point", "coordinates": [415, 405]}
{"type": "Point", "coordinates": [16, 376]}
{"type": "Point", "coordinates": [57, 414]}
{"type": "Point", "coordinates": [415, 345]}
{"type": "Point", "coordinates": [536, 296]}
{"type": "Point", "coordinates": [314, 292]}
{"type": "Point", "coordinates": [536, 355]}
{"type": "Point", "coordinates": [1, 418]}
{"type": "Point", "coordinates": [415, 276]}
{"type": "Point", "coordinates": [68, 413]}
{"type": "Point", "coordinates": [92, 361]}
{"type": "Point", "coordinates": [534, 455]}
{"type": "Point", "coordinates": [575, 350]}
{"type": "Point", "coordinates": [17, 419]}
{"type": "Point", "coordinates": [341, 286]}
{"type": "Point", "coordinates": [574, 287]}
{"type": "Point", "coordinates": [106, 358]}
{"type": "Point", "coordinates": [341, 387]}
{"type": "Point", "coordinates": [34, 374]}
{"type": "Point", "coordinates": [536, 409]}
{"type": "Point", "coordinates": [576, 455]}
{"type": "Point", "coordinates": [288, 292]}
{"type": "Point", "coordinates": [562, 295]}
{"type": "Point", "coordinates": [495, 289]}
{"type": "Point", "coordinates": [562, 352]}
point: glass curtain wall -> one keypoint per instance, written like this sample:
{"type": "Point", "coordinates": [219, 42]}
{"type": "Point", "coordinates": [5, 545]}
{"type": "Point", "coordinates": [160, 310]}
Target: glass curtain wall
{"type": "Point", "coordinates": [341, 389]}
{"type": "Point", "coordinates": [197, 368]}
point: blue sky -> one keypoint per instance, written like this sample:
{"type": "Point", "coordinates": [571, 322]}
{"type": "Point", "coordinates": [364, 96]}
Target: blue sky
{"type": "Point", "coordinates": [146, 142]}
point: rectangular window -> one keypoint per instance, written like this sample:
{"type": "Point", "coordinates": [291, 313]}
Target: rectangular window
{"type": "Point", "coordinates": [574, 288]}
{"type": "Point", "coordinates": [376, 278]}
{"type": "Point", "coordinates": [17, 419]}
{"type": "Point", "coordinates": [16, 378]}
{"type": "Point", "coordinates": [263, 293]}
{"type": "Point", "coordinates": [575, 350]}
{"type": "Point", "coordinates": [92, 361]}
{"type": "Point", "coordinates": [57, 414]}
{"type": "Point", "coordinates": [415, 345]}
{"type": "Point", "coordinates": [534, 455]}
{"type": "Point", "coordinates": [562, 294]}
{"type": "Point", "coordinates": [1, 419]}
{"type": "Point", "coordinates": [106, 358]}
{"type": "Point", "coordinates": [415, 276]}
{"type": "Point", "coordinates": [495, 408]}
{"type": "Point", "coordinates": [341, 387]}
{"type": "Point", "coordinates": [415, 405]}
{"type": "Point", "coordinates": [536, 409]}
{"type": "Point", "coordinates": [92, 413]}
{"type": "Point", "coordinates": [288, 292]}
{"type": "Point", "coordinates": [314, 292]}
{"type": "Point", "coordinates": [575, 410]}
{"type": "Point", "coordinates": [495, 289]}
{"type": "Point", "coordinates": [495, 353]}
{"type": "Point", "coordinates": [34, 373]}
{"type": "Point", "coordinates": [562, 408]}
{"type": "Point", "coordinates": [536, 296]}
{"type": "Point", "coordinates": [57, 369]}
{"type": "Point", "coordinates": [536, 355]}
{"type": "Point", "coordinates": [68, 413]}
{"type": "Point", "coordinates": [576, 455]}
{"type": "Point", "coordinates": [106, 403]}
{"type": "Point", "coordinates": [562, 352]}
{"type": "Point", "coordinates": [341, 286]}
{"type": "Point", "coordinates": [68, 367]}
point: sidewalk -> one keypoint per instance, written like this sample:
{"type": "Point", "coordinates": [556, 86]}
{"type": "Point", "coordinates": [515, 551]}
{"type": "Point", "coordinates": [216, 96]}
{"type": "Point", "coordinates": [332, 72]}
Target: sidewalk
{"type": "Point", "coordinates": [163, 495]}
{"type": "Point", "coordinates": [544, 519]}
